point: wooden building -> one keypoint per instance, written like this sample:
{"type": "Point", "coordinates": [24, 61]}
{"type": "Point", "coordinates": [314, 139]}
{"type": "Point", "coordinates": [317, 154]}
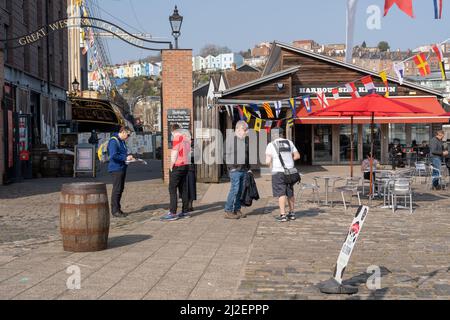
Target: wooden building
{"type": "Point", "coordinates": [292, 72]}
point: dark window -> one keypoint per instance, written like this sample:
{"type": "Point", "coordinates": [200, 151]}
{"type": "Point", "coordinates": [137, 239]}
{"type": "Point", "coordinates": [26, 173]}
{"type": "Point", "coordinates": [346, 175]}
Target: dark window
{"type": "Point", "coordinates": [61, 110]}
{"type": "Point", "coordinates": [40, 63]}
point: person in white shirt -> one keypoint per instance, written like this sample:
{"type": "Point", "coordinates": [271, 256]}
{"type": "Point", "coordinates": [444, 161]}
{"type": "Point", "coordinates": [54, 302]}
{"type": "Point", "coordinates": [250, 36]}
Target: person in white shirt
{"type": "Point", "coordinates": [287, 150]}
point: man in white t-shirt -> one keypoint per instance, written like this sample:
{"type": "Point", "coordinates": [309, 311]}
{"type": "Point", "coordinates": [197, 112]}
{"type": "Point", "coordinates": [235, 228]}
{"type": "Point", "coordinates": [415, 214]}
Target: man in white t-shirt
{"type": "Point", "coordinates": [280, 189]}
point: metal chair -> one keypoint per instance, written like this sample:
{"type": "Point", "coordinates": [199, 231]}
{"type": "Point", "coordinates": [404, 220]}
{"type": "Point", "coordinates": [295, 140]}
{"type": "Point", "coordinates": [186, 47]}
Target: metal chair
{"type": "Point", "coordinates": [351, 186]}
{"type": "Point", "coordinates": [314, 190]}
{"type": "Point", "coordinates": [421, 171]}
{"type": "Point", "coordinates": [401, 187]}
{"type": "Point", "coordinates": [439, 177]}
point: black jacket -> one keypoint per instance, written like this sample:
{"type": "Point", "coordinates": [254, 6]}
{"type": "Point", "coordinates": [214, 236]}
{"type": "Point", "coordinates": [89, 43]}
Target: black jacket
{"type": "Point", "coordinates": [436, 147]}
{"type": "Point", "coordinates": [249, 190]}
{"type": "Point", "coordinates": [237, 154]}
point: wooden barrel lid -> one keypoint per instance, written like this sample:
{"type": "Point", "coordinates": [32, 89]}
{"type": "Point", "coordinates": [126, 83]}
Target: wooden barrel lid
{"type": "Point", "coordinates": [84, 188]}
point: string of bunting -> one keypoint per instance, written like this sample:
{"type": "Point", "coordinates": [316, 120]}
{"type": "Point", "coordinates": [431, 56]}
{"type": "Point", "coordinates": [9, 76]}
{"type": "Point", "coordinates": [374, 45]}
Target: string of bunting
{"type": "Point", "coordinates": [420, 59]}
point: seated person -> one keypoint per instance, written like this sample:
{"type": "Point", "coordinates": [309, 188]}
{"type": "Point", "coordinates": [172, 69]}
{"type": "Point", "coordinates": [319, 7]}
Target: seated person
{"type": "Point", "coordinates": [365, 167]}
{"type": "Point", "coordinates": [397, 155]}
{"type": "Point", "coordinates": [423, 150]}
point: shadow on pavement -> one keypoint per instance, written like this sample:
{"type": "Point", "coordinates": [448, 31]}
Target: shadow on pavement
{"type": "Point", "coordinates": [199, 210]}
{"type": "Point", "coordinates": [31, 187]}
{"type": "Point", "coordinates": [126, 240]}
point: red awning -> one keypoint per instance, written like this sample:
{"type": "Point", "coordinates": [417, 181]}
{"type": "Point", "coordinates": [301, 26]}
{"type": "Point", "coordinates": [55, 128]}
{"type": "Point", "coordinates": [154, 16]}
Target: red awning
{"type": "Point", "coordinates": [429, 103]}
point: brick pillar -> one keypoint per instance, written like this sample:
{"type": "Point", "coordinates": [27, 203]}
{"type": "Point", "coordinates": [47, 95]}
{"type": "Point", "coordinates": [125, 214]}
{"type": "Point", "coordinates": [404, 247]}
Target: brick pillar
{"type": "Point", "coordinates": [176, 93]}
{"type": "Point", "coordinates": [2, 148]}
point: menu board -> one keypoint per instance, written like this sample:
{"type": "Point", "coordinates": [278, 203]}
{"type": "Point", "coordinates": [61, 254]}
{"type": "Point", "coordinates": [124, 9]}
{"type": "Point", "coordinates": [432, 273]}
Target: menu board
{"type": "Point", "coordinates": [84, 159]}
{"type": "Point", "coordinates": [182, 117]}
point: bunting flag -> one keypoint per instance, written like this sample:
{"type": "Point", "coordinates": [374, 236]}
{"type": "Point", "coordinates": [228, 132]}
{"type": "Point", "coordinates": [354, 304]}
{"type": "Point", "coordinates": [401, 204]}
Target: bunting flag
{"type": "Point", "coordinates": [437, 49]}
{"type": "Point", "coordinates": [254, 106]}
{"type": "Point", "coordinates": [266, 106]}
{"type": "Point", "coordinates": [421, 62]}
{"type": "Point", "coordinates": [399, 68]}
{"type": "Point", "coordinates": [368, 84]}
{"type": "Point", "coordinates": [383, 76]}
{"type": "Point", "coordinates": [258, 123]}
{"type": "Point", "coordinates": [247, 115]}
{"type": "Point", "coordinates": [290, 123]}
{"type": "Point", "coordinates": [278, 105]}
{"type": "Point", "coordinates": [279, 123]}
{"type": "Point", "coordinates": [241, 113]}
{"type": "Point", "coordinates": [352, 90]}
{"type": "Point", "coordinates": [91, 37]}
{"type": "Point", "coordinates": [292, 105]}
{"type": "Point", "coordinates": [405, 5]}
{"type": "Point", "coordinates": [322, 99]}
{"type": "Point", "coordinates": [229, 110]}
{"type": "Point", "coordinates": [268, 125]}
{"type": "Point", "coordinates": [335, 92]}
{"type": "Point", "coordinates": [437, 9]}
{"type": "Point", "coordinates": [307, 102]}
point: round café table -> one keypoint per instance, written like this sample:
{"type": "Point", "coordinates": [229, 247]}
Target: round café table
{"type": "Point", "coordinates": [327, 179]}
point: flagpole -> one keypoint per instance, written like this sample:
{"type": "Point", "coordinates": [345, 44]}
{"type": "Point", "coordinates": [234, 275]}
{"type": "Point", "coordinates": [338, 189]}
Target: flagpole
{"type": "Point", "coordinates": [351, 147]}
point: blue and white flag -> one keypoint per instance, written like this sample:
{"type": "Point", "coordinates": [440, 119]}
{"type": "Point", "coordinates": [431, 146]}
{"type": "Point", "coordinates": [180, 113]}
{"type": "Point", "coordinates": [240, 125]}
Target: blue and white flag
{"type": "Point", "coordinates": [278, 105]}
{"type": "Point", "coordinates": [307, 102]}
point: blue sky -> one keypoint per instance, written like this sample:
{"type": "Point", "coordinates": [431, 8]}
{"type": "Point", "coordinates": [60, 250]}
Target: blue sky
{"type": "Point", "coordinates": [240, 24]}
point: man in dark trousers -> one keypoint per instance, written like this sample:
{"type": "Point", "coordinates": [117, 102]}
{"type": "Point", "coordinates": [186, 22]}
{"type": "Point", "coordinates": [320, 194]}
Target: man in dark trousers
{"type": "Point", "coordinates": [179, 168]}
{"type": "Point", "coordinates": [118, 156]}
{"type": "Point", "coordinates": [436, 154]}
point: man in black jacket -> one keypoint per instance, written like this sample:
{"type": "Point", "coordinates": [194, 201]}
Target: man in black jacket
{"type": "Point", "coordinates": [237, 160]}
{"type": "Point", "coordinates": [436, 154]}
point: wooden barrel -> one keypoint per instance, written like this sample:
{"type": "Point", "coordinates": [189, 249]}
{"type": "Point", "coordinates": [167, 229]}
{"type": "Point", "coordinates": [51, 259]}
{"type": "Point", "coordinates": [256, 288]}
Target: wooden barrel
{"type": "Point", "coordinates": [50, 164]}
{"type": "Point", "coordinates": [36, 155]}
{"type": "Point", "coordinates": [84, 217]}
{"type": "Point", "coordinates": [66, 165]}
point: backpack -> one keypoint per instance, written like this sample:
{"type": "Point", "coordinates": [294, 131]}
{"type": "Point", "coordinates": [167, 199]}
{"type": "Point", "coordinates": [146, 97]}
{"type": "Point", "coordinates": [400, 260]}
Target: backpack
{"type": "Point", "coordinates": [102, 152]}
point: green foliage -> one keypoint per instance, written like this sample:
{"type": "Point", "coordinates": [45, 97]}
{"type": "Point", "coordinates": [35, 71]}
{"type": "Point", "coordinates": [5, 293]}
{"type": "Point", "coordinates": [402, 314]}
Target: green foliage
{"type": "Point", "coordinates": [383, 46]}
{"type": "Point", "coordinates": [141, 86]}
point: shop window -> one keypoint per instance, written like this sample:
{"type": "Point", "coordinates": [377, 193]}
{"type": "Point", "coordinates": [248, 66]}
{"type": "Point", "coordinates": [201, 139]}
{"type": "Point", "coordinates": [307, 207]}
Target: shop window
{"type": "Point", "coordinates": [322, 143]}
{"type": "Point", "coordinates": [344, 142]}
{"type": "Point", "coordinates": [376, 140]}
{"type": "Point", "coordinates": [420, 133]}
{"type": "Point", "coordinates": [397, 131]}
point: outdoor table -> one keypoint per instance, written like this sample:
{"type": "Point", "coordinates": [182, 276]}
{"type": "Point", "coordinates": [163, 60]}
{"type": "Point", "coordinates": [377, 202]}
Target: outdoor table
{"type": "Point", "coordinates": [327, 179]}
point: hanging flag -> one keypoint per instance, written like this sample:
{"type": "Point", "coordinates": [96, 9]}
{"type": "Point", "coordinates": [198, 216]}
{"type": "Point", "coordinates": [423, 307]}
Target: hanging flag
{"type": "Point", "coordinates": [278, 105]}
{"type": "Point", "coordinates": [421, 62]}
{"type": "Point", "coordinates": [241, 113]}
{"type": "Point", "coordinates": [247, 114]}
{"type": "Point", "coordinates": [254, 106]}
{"type": "Point", "coordinates": [368, 84]}
{"type": "Point", "coordinates": [384, 78]}
{"type": "Point", "coordinates": [399, 68]}
{"type": "Point", "coordinates": [335, 92]}
{"type": "Point", "coordinates": [258, 123]}
{"type": "Point", "coordinates": [292, 105]}
{"type": "Point", "coordinates": [85, 49]}
{"type": "Point", "coordinates": [405, 5]}
{"type": "Point", "coordinates": [438, 9]}
{"type": "Point", "coordinates": [290, 123]}
{"type": "Point", "coordinates": [268, 125]}
{"type": "Point", "coordinates": [229, 110]}
{"type": "Point", "coordinates": [307, 102]}
{"type": "Point", "coordinates": [279, 123]}
{"type": "Point", "coordinates": [266, 106]}
{"type": "Point", "coordinates": [322, 99]}
{"type": "Point", "coordinates": [91, 37]}
{"type": "Point", "coordinates": [352, 90]}
{"type": "Point", "coordinates": [437, 49]}
{"type": "Point", "coordinates": [351, 12]}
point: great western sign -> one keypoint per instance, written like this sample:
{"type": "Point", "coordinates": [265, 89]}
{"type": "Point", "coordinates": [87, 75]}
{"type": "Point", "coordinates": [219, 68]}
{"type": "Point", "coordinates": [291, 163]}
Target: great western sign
{"type": "Point", "coordinates": [85, 22]}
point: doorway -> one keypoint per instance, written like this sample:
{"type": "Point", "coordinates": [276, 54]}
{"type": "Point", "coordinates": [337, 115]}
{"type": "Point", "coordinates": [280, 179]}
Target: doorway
{"type": "Point", "coordinates": [35, 108]}
{"type": "Point", "coordinates": [303, 142]}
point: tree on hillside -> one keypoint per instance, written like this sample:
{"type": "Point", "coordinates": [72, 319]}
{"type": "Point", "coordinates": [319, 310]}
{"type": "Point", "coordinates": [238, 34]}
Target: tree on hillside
{"type": "Point", "coordinates": [214, 50]}
{"type": "Point", "coordinates": [383, 46]}
{"type": "Point", "coordinates": [364, 45]}
{"type": "Point", "coordinates": [246, 54]}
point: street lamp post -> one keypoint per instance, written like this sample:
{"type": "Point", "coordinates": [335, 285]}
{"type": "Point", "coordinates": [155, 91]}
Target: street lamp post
{"type": "Point", "coordinates": [75, 88]}
{"type": "Point", "coordinates": [175, 23]}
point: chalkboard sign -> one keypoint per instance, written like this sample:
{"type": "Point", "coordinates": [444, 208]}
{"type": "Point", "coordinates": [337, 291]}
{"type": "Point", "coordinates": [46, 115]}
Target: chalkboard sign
{"type": "Point", "coordinates": [180, 116]}
{"type": "Point", "coordinates": [84, 159]}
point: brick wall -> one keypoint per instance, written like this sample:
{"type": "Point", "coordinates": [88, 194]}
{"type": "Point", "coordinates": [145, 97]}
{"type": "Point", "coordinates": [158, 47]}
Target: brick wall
{"type": "Point", "coordinates": [177, 91]}
{"type": "Point", "coordinates": [24, 17]}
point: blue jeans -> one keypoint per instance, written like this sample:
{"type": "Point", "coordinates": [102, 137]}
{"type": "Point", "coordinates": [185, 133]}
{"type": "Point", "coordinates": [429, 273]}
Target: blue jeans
{"type": "Point", "coordinates": [234, 196]}
{"type": "Point", "coordinates": [436, 162]}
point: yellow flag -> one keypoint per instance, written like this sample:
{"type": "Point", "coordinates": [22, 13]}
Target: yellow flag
{"type": "Point", "coordinates": [383, 76]}
{"type": "Point", "coordinates": [258, 124]}
{"type": "Point", "coordinates": [247, 114]}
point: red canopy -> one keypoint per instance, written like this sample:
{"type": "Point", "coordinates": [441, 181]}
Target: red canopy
{"type": "Point", "coordinates": [389, 110]}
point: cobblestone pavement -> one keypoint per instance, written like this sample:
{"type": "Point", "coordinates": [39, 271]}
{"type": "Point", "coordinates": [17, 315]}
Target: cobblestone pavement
{"type": "Point", "coordinates": [209, 257]}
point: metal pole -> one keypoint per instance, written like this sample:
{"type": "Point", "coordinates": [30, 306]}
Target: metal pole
{"type": "Point", "coordinates": [371, 155]}
{"type": "Point", "coordinates": [351, 147]}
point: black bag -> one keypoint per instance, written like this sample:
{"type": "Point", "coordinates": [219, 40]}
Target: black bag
{"type": "Point", "coordinates": [291, 176]}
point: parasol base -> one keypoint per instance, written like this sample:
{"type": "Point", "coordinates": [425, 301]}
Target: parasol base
{"type": "Point", "coordinates": [331, 286]}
